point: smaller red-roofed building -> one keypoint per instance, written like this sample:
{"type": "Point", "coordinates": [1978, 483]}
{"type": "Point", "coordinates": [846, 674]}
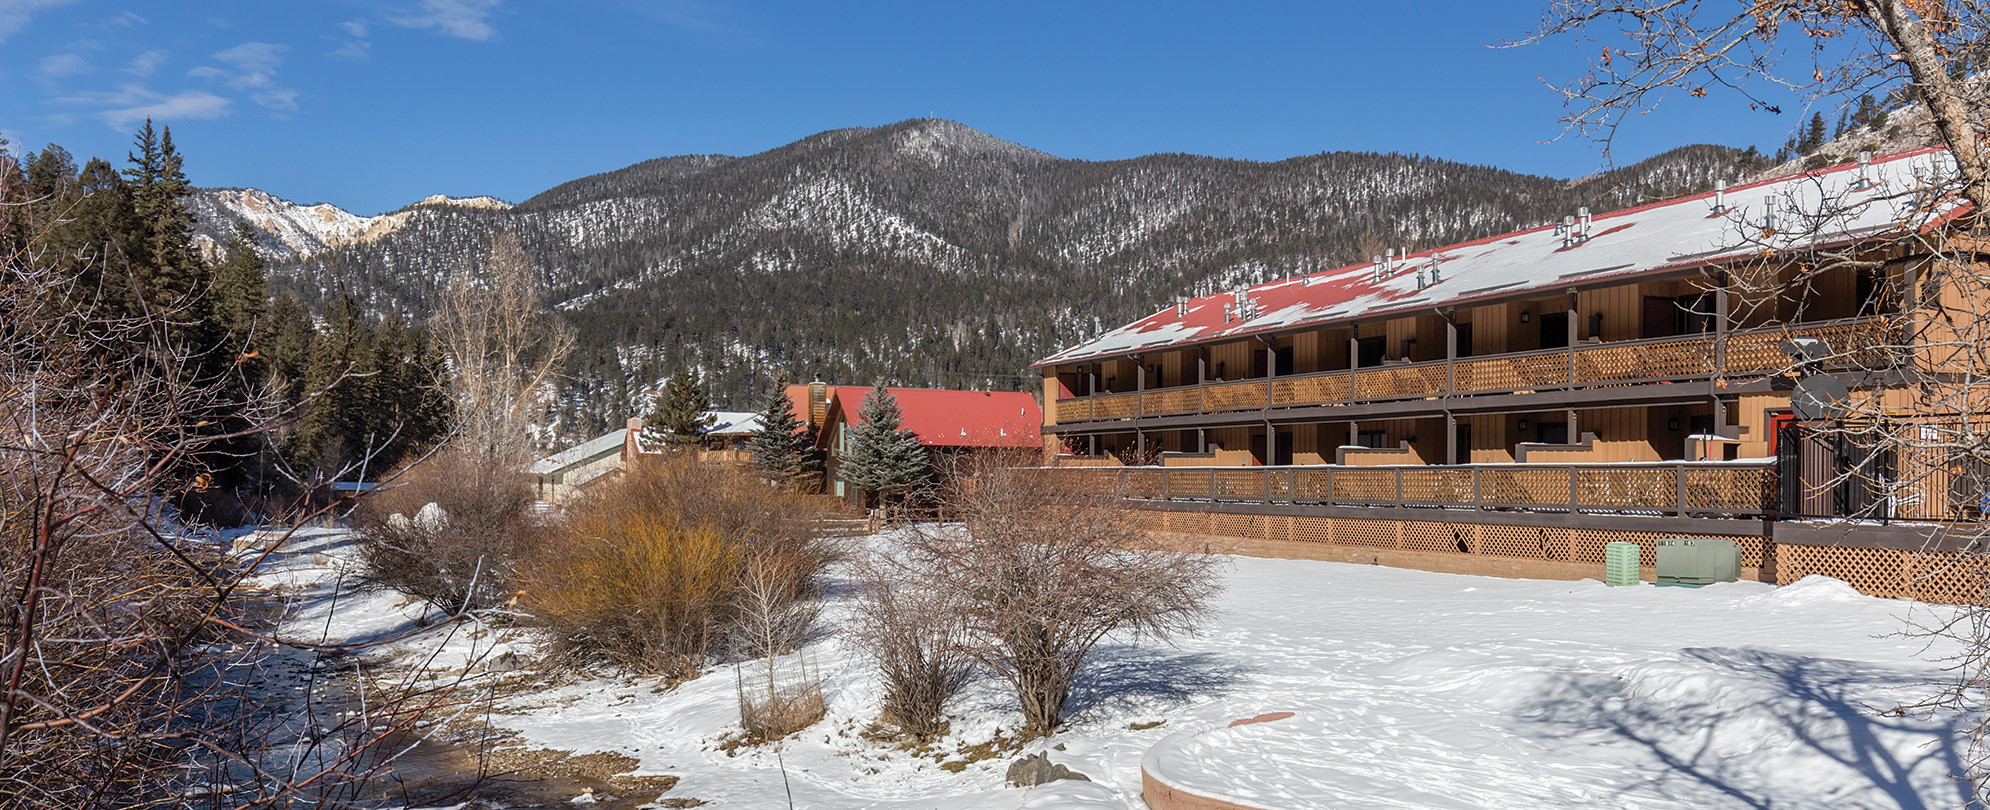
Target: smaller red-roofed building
{"type": "Point", "coordinates": [948, 423]}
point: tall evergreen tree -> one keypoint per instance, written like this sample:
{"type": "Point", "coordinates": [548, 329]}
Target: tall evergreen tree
{"type": "Point", "coordinates": [884, 456]}
{"type": "Point", "coordinates": [170, 268]}
{"type": "Point", "coordinates": [682, 412]}
{"type": "Point", "coordinates": [782, 448]}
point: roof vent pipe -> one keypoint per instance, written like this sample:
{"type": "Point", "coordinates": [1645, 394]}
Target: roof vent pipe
{"type": "Point", "coordinates": [1720, 196]}
{"type": "Point", "coordinates": [1865, 168]}
{"type": "Point", "coordinates": [1380, 268]}
{"type": "Point", "coordinates": [1582, 214]}
{"type": "Point", "coordinates": [1567, 230]}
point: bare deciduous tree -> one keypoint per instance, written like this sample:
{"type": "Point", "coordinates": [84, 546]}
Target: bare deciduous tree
{"type": "Point", "coordinates": [1912, 441]}
{"type": "Point", "coordinates": [504, 350]}
{"type": "Point", "coordinates": [1042, 574]}
{"type": "Point", "coordinates": [134, 651]}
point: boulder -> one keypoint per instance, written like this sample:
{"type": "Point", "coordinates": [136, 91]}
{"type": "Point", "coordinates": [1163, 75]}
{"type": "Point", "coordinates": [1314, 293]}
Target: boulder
{"type": "Point", "coordinates": [1036, 769]}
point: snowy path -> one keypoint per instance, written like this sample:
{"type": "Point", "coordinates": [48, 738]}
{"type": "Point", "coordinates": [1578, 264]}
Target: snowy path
{"type": "Point", "coordinates": [1411, 689]}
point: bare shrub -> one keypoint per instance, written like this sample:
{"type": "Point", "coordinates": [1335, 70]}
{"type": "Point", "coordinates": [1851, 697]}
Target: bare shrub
{"type": "Point", "coordinates": [916, 636]}
{"type": "Point", "coordinates": [774, 616]}
{"type": "Point", "coordinates": [464, 556]}
{"type": "Point", "coordinates": [1044, 573]}
{"type": "Point", "coordinates": [650, 572]}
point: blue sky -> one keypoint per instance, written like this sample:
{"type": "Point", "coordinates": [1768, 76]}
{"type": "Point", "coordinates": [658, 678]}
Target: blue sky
{"type": "Point", "coordinates": [372, 104]}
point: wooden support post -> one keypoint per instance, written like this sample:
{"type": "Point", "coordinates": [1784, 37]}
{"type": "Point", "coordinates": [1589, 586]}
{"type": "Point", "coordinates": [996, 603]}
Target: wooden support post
{"type": "Point", "coordinates": [1569, 335]}
{"type": "Point", "coordinates": [1270, 370]}
{"type": "Point", "coordinates": [1450, 438]}
{"type": "Point", "coordinates": [1140, 384]}
{"type": "Point", "coordinates": [1450, 351]}
{"type": "Point", "coordinates": [1201, 440]}
{"type": "Point", "coordinates": [1139, 447]}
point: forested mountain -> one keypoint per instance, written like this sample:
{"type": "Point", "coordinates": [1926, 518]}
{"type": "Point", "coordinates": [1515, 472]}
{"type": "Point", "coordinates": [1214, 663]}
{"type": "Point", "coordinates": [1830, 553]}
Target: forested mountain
{"type": "Point", "coordinates": [927, 253]}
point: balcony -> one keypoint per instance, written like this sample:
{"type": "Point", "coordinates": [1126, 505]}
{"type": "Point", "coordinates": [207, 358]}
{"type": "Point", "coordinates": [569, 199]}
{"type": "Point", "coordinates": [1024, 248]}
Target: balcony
{"type": "Point", "coordinates": [1681, 489]}
{"type": "Point", "coordinates": [1857, 341]}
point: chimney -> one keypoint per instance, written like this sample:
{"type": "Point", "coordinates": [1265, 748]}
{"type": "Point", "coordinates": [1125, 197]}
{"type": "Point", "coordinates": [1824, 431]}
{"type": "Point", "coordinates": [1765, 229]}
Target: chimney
{"type": "Point", "coordinates": [818, 402]}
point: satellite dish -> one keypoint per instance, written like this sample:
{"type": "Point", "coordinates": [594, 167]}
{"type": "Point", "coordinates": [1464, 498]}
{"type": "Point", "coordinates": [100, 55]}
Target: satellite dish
{"type": "Point", "coordinates": [1819, 397]}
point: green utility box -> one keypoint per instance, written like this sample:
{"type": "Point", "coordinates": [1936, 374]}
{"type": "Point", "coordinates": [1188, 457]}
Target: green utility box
{"type": "Point", "coordinates": [1698, 561]}
{"type": "Point", "coordinates": [1620, 564]}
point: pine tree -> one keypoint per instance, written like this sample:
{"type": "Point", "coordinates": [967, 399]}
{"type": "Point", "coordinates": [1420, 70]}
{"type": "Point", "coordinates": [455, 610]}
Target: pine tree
{"type": "Point", "coordinates": [1813, 135]}
{"type": "Point", "coordinates": [681, 414]}
{"type": "Point", "coordinates": [170, 268]}
{"type": "Point", "coordinates": [240, 290]}
{"type": "Point", "coordinates": [884, 457]}
{"type": "Point", "coordinates": [782, 447]}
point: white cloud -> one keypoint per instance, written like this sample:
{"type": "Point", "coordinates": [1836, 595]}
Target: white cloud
{"type": "Point", "coordinates": [467, 19]}
{"type": "Point", "coordinates": [15, 14]}
{"type": "Point", "coordinates": [143, 64]}
{"type": "Point", "coordinates": [356, 49]}
{"type": "Point", "coordinates": [254, 58]}
{"type": "Point", "coordinates": [129, 20]}
{"type": "Point", "coordinates": [132, 103]}
{"type": "Point", "coordinates": [61, 65]}
{"type": "Point", "coordinates": [254, 69]}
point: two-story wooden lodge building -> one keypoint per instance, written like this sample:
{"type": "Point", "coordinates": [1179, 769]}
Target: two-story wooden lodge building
{"type": "Point", "coordinates": [1511, 404]}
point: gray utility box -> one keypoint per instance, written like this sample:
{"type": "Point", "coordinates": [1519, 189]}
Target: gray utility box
{"type": "Point", "coordinates": [1698, 561]}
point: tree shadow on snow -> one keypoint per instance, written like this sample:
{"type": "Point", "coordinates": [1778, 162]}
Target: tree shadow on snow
{"type": "Point", "coordinates": [1124, 678]}
{"type": "Point", "coordinates": [1691, 734]}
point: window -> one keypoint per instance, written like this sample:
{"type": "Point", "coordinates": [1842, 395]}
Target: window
{"type": "Point", "coordinates": [1373, 439]}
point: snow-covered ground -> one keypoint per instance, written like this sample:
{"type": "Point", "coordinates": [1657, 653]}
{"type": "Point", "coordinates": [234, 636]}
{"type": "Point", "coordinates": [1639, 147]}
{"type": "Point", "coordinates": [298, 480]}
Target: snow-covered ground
{"type": "Point", "coordinates": [1410, 689]}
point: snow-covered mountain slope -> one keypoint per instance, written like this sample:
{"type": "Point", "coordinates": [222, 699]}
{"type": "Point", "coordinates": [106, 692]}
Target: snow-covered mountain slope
{"type": "Point", "coordinates": [287, 230]}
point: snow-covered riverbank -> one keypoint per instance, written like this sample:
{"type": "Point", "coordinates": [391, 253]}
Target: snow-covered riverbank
{"type": "Point", "coordinates": [1410, 689]}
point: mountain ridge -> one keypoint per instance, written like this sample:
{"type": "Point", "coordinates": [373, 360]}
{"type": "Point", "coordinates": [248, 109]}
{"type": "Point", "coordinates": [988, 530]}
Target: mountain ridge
{"type": "Point", "coordinates": [928, 253]}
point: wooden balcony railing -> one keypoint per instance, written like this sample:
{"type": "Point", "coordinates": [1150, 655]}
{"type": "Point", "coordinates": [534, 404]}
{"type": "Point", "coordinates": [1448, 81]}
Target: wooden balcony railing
{"type": "Point", "coordinates": [1857, 342]}
{"type": "Point", "coordinates": [1696, 489]}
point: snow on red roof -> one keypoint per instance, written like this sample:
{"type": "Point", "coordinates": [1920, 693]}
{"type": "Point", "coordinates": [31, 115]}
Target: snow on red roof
{"type": "Point", "coordinates": [949, 418]}
{"type": "Point", "coordinates": [1661, 237]}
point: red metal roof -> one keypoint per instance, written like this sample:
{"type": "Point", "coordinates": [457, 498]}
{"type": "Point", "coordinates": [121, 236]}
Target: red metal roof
{"type": "Point", "coordinates": [947, 418]}
{"type": "Point", "coordinates": [1668, 236]}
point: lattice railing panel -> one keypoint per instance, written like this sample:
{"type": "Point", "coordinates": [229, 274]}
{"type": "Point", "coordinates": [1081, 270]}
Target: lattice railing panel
{"type": "Point", "coordinates": [1630, 487]}
{"type": "Point", "coordinates": [1437, 486]}
{"type": "Point", "coordinates": [1188, 483]}
{"type": "Point", "coordinates": [1326, 390]}
{"type": "Point", "coordinates": [1313, 529]}
{"type": "Point", "coordinates": [1398, 383]}
{"type": "Point", "coordinates": [1171, 400]}
{"type": "Point", "coordinates": [1873, 571]}
{"type": "Point", "coordinates": [1513, 373]}
{"type": "Point", "coordinates": [1240, 484]}
{"type": "Point", "coordinates": [1512, 541]}
{"type": "Point", "coordinates": [1377, 533]}
{"type": "Point", "coordinates": [1141, 483]}
{"type": "Point", "coordinates": [1532, 486]}
{"type": "Point", "coordinates": [1743, 489]}
{"type": "Point", "coordinates": [1587, 545]}
{"type": "Point", "coordinates": [1310, 485]}
{"type": "Point", "coordinates": [1687, 357]}
{"type": "Point", "coordinates": [1074, 410]}
{"type": "Point", "coordinates": [1115, 406]}
{"type": "Point", "coordinates": [1234, 396]}
{"type": "Point", "coordinates": [1354, 484]}
{"type": "Point", "coordinates": [1947, 577]}
{"type": "Point", "coordinates": [1449, 538]}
